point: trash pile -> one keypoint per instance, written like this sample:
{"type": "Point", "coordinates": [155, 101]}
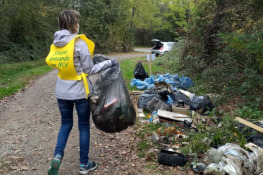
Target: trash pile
{"type": "Point", "coordinates": [166, 99]}
{"type": "Point", "coordinates": [152, 100]}
{"type": "Point", "coordinates": [175, 81]}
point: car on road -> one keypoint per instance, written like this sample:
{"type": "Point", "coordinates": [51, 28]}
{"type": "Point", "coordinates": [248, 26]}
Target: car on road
{"type": "Point", "coordinates": [161, 48]}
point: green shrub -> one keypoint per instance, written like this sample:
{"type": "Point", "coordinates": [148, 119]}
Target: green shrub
{"type": "Point", "coordinates": [212, 136]}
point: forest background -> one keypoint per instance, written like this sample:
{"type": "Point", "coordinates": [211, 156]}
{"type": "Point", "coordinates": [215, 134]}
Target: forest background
{"type": "Point", "coordinates": [220, 41]}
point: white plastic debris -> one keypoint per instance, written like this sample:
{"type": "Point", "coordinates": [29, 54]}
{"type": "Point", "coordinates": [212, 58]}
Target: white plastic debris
{"type": "Point", "coordinates": [233, 160]}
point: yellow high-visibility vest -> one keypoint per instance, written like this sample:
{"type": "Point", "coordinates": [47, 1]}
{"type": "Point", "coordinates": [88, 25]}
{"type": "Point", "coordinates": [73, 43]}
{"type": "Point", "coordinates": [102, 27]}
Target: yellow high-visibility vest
{"type": "Point", "coordinates": [61, 58]}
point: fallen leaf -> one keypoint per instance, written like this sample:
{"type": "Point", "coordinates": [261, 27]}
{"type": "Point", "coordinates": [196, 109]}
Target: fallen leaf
{"type": "Point", "coordinates": [24, 168]}
{"type": "Point", "coordinates": [14, 157]}
{"type": "Point", "coordinates": [17, 151]}
{"type": "Point", "coordinates": [15, 168]}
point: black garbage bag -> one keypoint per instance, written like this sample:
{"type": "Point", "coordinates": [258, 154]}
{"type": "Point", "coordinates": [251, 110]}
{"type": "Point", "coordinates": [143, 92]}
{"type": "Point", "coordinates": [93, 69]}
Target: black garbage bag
{"type": "Point", "coordinates": [99, 58]}
{"type": "Point", "coordinates": [251, 136]}
{"type": "Point", "coordinates": [145, 99]}
{"type": "Point", "coordinates": [171, 158]}
{"type": "Point", "coordinates": [163, 94]}
{"type": "Point", "coordinates": [196, 103]}
{"type": "Point", "coordinates": [139, 72]}
{"type": "Point", "coordinates": [113, 111]}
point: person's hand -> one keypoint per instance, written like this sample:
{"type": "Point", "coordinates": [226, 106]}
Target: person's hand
{"type": "Point", "coordinates": [113, 63]}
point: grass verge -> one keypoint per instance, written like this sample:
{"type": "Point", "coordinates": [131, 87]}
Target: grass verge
{"type": "Point", "coordinates": [127, 67]}
{"type": "Point", "coordinates": [15, 76]}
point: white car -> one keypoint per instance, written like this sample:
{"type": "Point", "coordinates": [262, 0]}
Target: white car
{"type": "Point", "coordinates": [161, 48]}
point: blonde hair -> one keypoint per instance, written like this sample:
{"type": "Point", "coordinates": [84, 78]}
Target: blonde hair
{"type": "Point", "coordinates": [68, 19]}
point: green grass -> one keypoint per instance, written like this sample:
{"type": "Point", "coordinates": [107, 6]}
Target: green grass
{"type": "Point", "coordinates": [15, 76]}
{"type": "Point", "coordinates": [127, 68]}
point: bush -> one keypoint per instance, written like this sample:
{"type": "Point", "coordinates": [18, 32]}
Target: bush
{"type": "Point", "coordinates": [221, 50]}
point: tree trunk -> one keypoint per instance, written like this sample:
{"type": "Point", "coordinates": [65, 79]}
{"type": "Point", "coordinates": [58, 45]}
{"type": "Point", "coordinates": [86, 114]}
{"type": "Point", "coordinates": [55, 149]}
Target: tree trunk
{"type": "Point", "coordinates": [133, 13]}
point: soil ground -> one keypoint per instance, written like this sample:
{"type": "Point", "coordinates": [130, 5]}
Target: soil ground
{"type": "Point", "coordinates": [29, 125]}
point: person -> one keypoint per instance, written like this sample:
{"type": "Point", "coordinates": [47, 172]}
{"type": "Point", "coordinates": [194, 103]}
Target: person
{"type": "Point", "coordinates": [72, 55]}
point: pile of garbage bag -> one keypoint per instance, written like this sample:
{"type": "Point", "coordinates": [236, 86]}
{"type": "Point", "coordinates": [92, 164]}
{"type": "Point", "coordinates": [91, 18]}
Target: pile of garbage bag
{"type": "Point", "coordinates": [152, 100]}
{"type": "Point", "coordinates": [195, 102]}
{"type": "Point", "coordinates": [111, 106]}
{"type": "Point", "coordinates": [175, 81]}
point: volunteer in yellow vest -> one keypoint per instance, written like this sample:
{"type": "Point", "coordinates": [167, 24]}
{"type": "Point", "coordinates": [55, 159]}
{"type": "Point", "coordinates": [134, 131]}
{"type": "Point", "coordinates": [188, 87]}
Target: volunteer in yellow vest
{"type": "Point", "coordinates": [72, 54]}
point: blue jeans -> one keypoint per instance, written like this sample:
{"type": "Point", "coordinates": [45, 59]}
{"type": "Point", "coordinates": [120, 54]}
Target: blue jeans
{"type": "Point", "coordinates": [66, 110]}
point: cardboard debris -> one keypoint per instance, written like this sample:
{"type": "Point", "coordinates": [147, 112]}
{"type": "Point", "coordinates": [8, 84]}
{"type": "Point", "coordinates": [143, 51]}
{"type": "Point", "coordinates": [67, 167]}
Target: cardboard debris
{"type": "Point", "coordinates": [173, 116]}
{"type": "Point", "coordinates": [173, 122]}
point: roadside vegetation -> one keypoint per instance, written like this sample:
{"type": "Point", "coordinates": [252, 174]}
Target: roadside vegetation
{"type": "Point", "coordinates": [223, 56]}
{"type": "Point", "coordinates": [27, 28]}
{"type": "Point", "coordinates": [16, 76]}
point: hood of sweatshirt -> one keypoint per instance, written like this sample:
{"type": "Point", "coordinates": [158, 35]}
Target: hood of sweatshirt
{"type": "Point", "coordinates": [63, 37]}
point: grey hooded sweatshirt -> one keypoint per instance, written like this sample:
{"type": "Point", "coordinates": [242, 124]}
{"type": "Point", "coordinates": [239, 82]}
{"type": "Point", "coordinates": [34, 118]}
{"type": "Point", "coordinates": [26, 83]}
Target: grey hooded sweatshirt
{"type": "Point", "coordinates": [74, 89]}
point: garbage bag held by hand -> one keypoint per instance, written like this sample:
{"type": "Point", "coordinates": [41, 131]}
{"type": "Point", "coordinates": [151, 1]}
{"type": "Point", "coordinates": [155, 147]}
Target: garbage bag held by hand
{"type": "Point", "coordinates": [114, 111]}
{"type": "Point", "coordinates": [139, 72]}
{"type": "Point", "coordinates": [99, 58]}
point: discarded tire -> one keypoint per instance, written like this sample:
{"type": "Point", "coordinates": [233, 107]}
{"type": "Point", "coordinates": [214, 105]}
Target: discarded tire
{"type": "Point", "coordinates": [171, 158]}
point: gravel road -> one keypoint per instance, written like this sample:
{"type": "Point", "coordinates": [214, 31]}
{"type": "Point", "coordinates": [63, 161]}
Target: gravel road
{"type": "Point", "coordinates": [29, 125]}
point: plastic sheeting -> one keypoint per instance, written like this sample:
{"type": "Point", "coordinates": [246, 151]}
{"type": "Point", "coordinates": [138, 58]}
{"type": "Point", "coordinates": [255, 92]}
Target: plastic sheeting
{"type": "Point", "coordinates": [174, 80]}
{"type": "Point", "coordinates": [145, 99]}
{"type": "Point", "coordinates": [113, 111]}
{"type": "Point", "coordinates": [234, 160]}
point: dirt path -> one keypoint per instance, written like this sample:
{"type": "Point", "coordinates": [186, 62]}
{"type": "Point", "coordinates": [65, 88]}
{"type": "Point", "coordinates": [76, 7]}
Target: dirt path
{"type": "Point", "coordinates": [30, 121]}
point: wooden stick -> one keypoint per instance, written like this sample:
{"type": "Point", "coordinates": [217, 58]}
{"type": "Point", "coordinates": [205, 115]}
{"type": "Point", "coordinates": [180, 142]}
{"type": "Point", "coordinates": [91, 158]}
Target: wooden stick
{"type": "Point", "coordinates": [150, 64]}
{"type": "Point", "coordinates": [247, 123]}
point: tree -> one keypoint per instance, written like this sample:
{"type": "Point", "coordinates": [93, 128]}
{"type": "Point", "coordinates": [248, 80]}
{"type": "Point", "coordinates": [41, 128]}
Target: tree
{"type": "Point", "coordinates": [105, 22]}
{"type": "Point", "coordinates": [222, 45]}
{"type": "Point", "coordinates": [162, 19]}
